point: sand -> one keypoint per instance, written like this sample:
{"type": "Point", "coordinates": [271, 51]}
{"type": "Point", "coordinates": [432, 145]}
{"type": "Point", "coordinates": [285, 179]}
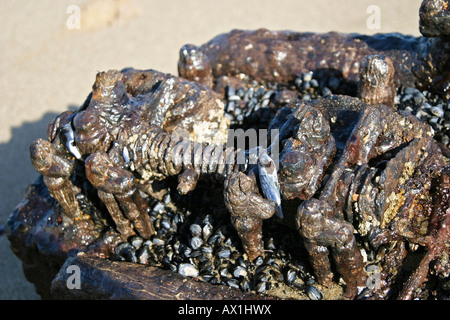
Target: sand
{"type": "Point", "coordinates": [51, 51]}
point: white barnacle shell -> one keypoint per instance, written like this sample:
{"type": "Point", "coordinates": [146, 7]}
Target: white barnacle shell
{"type": "Point", "coordinates": [195, 230]}
{"type": "Point", "coordinates": [74, 150]}
{"type": "Point", "coordinates": [126, 154]}
{"type": "Point", "coordinates": [269, 181]}
{"type": "Point", "coordinates": [196, 242]}
{"type": "Point", "coordinates": [188, 270]}
{"type": "Point", "coordinates": [70, 144]}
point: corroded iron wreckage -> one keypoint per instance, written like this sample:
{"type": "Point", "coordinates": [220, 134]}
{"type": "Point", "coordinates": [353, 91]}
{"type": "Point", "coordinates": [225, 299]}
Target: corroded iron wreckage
{"type": "Point", "coordinates": [348, 200]}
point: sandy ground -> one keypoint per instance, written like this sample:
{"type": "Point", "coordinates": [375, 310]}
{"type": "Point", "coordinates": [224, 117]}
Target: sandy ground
{"type": "Point", "coordinates": [48, 65]}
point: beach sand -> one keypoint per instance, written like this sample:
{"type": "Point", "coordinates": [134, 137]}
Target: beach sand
{"type": "Point", "coordinates": [48, 64]}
